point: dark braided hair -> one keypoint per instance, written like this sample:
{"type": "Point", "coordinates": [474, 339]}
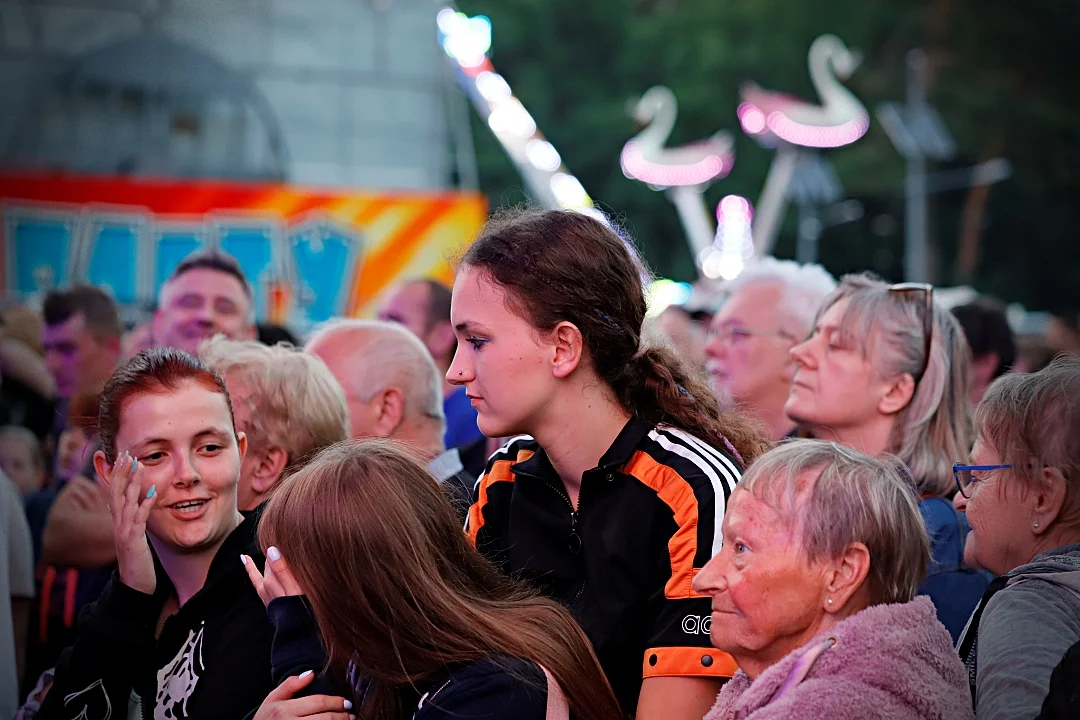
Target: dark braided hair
{"type": "Point", "coordinates": [559, 265]}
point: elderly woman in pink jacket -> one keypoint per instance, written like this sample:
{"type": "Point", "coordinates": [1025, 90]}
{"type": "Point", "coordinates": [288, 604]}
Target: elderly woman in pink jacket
{"type": "Point", "coordinates": [814, 594]}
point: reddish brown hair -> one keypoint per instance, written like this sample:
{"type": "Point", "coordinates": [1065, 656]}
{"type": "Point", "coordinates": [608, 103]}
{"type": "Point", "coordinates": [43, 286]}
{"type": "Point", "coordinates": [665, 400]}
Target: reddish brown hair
{"type": "Point", "coordinates": [399, 592]}
{"type": "Point", "coordinates": [158, 370]}
{"type": "Point", "coordinates": [559, 265]}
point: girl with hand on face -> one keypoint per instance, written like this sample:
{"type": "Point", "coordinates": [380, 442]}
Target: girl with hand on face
{"type": "Point", "coordinates": [178, 632]}
{"type": "Point", "coordinates": [614, 501]}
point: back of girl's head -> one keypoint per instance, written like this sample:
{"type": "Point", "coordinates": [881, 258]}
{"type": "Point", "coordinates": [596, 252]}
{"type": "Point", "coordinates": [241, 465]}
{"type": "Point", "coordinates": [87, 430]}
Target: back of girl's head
{"type": "Point", "coordinates": [935, 427]}
{"type": "Point", "coordinates": [559, 265]}
{"type": "Point", "coordinates": [158, 370]}
{"type": "Point", "coordinates": [395, 586]}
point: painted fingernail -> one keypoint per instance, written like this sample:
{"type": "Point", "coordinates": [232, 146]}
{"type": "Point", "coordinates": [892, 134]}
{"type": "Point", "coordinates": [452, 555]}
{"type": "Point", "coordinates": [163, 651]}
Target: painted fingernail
{"type": "Point", "coordinates": [273, 553]}
{"type": "Point", "coordinates": [243, 559]}
{"type": "Point", "coordinates": [305, 674]}
{"type": "Point", "coordinates": [348, 705]}
{"type": "Point", "coordinates": [134, 464]}
{"type": "Point", "coordinates": [150, 494]}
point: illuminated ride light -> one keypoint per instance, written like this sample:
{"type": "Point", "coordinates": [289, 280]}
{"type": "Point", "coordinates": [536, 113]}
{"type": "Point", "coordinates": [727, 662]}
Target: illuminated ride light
{"type": "Point", "coordinates": [645, 157]}
{"type": "Point", "coordinates": [466, 41]}
{"type": "Point", "coordinates": [839, 120]}
{"type": "Point", "coordinates": [754, 122]}
{"type": "Point", "coordinates": [734, 245]}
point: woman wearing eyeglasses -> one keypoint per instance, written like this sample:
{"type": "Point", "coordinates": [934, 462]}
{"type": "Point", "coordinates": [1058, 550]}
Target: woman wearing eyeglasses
{"type": "Point", "coordinates": [1022, 496]}
{"type": "Point", "coordinates": [885, 370]}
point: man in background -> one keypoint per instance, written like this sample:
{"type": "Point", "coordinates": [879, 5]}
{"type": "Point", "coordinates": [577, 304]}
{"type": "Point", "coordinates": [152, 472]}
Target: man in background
{"type": "Point", "coordinates": [207, 294]}
{"type": "Point", "coordinates": [769, 308]}
{"type": "Point", "coordinates": [423, 308]}
{"type": "Point", "coordinates": [993, 345]}
{"type": "Point", "coordinates": [81, 338]}
{"type": "Point", "coordinates": [394, 390]}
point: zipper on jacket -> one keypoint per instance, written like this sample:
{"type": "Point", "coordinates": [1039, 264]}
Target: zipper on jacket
{"type": "Point", "coordinates": [574, 542]}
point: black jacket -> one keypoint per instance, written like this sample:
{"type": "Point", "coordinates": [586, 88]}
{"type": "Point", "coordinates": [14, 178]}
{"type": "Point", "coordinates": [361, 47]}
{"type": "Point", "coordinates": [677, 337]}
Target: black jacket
{"type": "Point", "coordinates": [496, 688]}
{"type": "Point", "coordinates": [211, 660]}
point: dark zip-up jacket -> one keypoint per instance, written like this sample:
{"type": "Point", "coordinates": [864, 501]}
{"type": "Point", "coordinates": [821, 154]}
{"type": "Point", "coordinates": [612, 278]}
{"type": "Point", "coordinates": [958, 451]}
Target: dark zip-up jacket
{"type": "Point", "coordinates": [494, 688]}
{"type": "Point", "coordinates": [211, 660]}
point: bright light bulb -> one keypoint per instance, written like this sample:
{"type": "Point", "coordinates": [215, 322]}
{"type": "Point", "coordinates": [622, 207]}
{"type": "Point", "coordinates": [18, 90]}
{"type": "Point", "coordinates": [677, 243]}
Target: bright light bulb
{"type": "Point", "coordinates": [492, 86]}
{"type": "Point", "coordinates": [710, 263]}
{"type": "Point", "coordinates": [510, 116]}
{"type": "Point", "coordinates": [467, 39]}
{"type": "Point", "coordinates": [751, 119]}
{"type": "Point", "coordinates": [730, 266]}
{"type": "Point", "coordinates": [568, 191]}
{"type": "Point", "coordinates": [445, 20]}
{"type": "Point", "coordinates": [543, 155]}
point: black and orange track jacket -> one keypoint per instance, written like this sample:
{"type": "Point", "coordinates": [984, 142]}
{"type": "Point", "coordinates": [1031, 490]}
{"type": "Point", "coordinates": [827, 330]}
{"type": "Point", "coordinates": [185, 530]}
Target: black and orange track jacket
{"type": "Point", "coordinates": [648, 519]}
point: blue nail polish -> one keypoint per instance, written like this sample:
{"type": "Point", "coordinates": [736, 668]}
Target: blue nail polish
{"type": "Point", "coordinates": [153, 488]}
{"type": "Point", "coordinates": [134, 464]}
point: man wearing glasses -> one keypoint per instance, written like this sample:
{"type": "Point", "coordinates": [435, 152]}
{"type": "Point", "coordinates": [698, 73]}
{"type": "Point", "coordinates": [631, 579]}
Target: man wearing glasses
{"type": "Point", "coordinates": [769, 308]}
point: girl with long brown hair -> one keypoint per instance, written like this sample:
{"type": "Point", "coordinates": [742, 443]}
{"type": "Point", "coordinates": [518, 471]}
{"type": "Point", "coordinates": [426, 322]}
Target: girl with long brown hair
{"type": "Point", "coordinates": [415, 623]}
{"type": "Point", "coordinates": [614, 501]}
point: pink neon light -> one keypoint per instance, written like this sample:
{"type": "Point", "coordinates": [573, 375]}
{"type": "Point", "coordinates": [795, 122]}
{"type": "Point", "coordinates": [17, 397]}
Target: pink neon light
{"type": "Point", "coordinates": [734, 205]}
{"type": "Point", "coordinates": [636, 167]}
{"type": "Point", "coordinates": [818, 136]}
{"type": "Point", "coordinates": [751, 119]}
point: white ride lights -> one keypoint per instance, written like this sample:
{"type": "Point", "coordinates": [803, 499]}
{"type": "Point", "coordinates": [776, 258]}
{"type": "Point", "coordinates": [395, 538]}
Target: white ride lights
{"type": "Point", "coordinates": [467, 40]}
{"type": "Point", "coordinates": [774, 119]}
{"type": "Point", "coordinates": [733, 247]}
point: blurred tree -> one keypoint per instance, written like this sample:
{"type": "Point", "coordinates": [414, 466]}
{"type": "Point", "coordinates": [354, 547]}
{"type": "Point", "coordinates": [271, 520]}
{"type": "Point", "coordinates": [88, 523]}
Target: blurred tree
{"type": "Point", "coordinates": [1001, 79]}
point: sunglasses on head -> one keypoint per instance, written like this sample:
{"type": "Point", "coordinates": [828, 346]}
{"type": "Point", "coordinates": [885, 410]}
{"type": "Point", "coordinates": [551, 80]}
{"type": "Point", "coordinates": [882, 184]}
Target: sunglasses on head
{"type": "Point", "coordinates": [923, 295]}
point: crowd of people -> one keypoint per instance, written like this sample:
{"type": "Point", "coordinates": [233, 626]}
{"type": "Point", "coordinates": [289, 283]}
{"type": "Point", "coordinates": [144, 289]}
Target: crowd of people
{"type": "Point", "coordinates": [520, 497]}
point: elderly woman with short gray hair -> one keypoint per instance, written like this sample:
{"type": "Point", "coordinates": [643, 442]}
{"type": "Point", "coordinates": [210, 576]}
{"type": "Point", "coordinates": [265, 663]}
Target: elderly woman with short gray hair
{"type": "Point", "coordinates": [814, 594]}
{"type": "Point", "coordinates": [1022, 498]}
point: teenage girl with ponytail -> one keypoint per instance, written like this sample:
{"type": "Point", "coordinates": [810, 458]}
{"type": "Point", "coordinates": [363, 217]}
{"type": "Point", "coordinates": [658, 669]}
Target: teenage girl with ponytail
{"type": "Point", "coordinates": [614, 500]}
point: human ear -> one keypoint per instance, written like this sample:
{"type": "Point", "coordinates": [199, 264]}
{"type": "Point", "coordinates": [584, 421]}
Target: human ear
{"type": "Point", "coordinates": [568, 345]}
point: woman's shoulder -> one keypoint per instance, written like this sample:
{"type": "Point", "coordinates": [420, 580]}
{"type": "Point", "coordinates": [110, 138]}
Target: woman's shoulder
{"type": "Point", "coordinates": [491, 688]}
{"type": "Point", "coordinates": [693, 459]}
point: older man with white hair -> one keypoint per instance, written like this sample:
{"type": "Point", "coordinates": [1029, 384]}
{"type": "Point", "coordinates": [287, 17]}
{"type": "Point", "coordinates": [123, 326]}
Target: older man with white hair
{"type": "Point", "coordinates": [288, 404]}
{"type": "Point", "coordinates": [769, 308]}
{"type": "Point", "coordinates": [394, 390]}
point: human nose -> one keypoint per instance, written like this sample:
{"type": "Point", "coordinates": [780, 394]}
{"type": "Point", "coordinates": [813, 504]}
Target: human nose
{"type": "Point", "coordinates": [716, 347]}
{"type": "Point", "coordinates": [460, 371]}
{"type": "Point", "coordinates": [959, 501]}
{"type": "Point", "coordinates": [803, 353]}
{"type": "Point", "coordinates": [184, 472]}
{"type": "Point", "coordinates": [711, 579]}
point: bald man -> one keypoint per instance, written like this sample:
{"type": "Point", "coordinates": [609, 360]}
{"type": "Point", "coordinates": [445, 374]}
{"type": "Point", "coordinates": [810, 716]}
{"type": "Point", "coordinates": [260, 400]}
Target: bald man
{"type": "Point", "coordinates": [423, 308]}
{"type": "Point", "coordinates": [393, 389]}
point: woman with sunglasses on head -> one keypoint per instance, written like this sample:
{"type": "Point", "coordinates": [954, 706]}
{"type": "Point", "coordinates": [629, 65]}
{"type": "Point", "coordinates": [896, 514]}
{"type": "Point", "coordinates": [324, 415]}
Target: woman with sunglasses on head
{"type": "Point", "coordinates": [885, 370]}
{"type": "Point", "coordinates": [614, 501]}
{"type": "Point", "coordinates": [1022, 496]}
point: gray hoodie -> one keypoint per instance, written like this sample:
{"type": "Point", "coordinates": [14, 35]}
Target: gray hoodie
{"type": "Point", "coordinates": [1024, 630]}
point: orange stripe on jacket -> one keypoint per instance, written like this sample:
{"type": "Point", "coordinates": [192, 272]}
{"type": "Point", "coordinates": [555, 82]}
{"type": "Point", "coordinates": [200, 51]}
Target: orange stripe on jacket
{"type": "Point", "coordinates": [499, 472]}
{"type": "Point", "coordinates": [687, 662]}
{"type": "Point", "coordinates": [673, 489]}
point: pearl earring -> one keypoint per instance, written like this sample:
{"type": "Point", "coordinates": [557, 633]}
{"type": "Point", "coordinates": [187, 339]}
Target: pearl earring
{"type": "Point", "coordinates": [1034, 526]}
{"type": "Point", "coordinates": [829, 601]}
